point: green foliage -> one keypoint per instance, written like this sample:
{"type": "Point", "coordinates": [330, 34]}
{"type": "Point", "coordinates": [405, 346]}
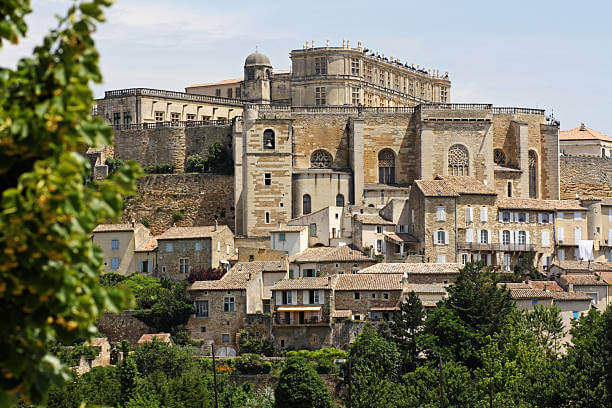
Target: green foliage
{"type": "Point", "coordinates": [161, 168]}
{"type": "Point", "coordinates": [145, 221]}
{"type": "Point", "coordinates": [322, 359]}
{"type": "Point", "coordinates": [71, 355]}
{"type": "Point", "coordinates": [158, 356]}
{"type": "Point", "coordinates": [299, 386]}
{"type": "Point", "coordinates": [547, 326]}
{"type": "Point", "coordinates": [169, 308]}
{"type": "Point", "coordinates": [195, 164]}
{"type": "Point", "coordinates": [100, 386]}
{"type": "Point", "coordinates": [110, 279]}
{"type": "Point", "coordinates": [405, 326]}
{"type": "Point", "coordinates": [249, 343]}
{"type": "Point", "coordinates": [252, 364]}
{"type": "Point", "coordinates": [48, 263]}
{"type": "Point", "coordinates": [177, 215]}
{"type": "Point", "coordinates": [113, 164]}
{"type": "Point", "coordinates": [217, 160]}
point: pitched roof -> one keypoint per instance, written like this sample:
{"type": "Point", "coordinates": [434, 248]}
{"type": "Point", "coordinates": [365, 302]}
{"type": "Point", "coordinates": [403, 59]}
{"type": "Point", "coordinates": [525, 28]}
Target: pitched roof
{"type": "Point", "coordinates": [147, 246]}
{"type": "Point", "coordinates": [223, 82]}
{"type": "Point", "coordinates": [192, 232]}
{"type": "Point", "coordinates": [582, 266]}
{"type": "Point", "coordinates": [148, 337]}
{"type": "Point", "coordinates": [606, 276]}
{"type": "Point", "coordinates": [546, 285]}
{"type": "Point", "coordinates": [467, 185]}
{"type": "Point", "coordinates": [583, 133]}
{"type": "Point", "coordinates": [436, 188]}
{"type": "Point", "coordinates": [534, 204]}
{"type": "Point", "coordinates": [570, 296]}
{"type": "Point", "coordinates": [582, 280]}
{"type": "Point", "coordinates": [239, 276]}
{"type": "Point", "coordinates": [330, 254]}
{"type": "Point", "coordinates": [290, 228]}
{"type": "Point", "coordinates": [426, 288]}
{"type": "Point", "coordinates": [604, 200]}
{"type": "Point", "coordinates": [372, 219]}
{"type": "Point", "coordinates": [319, 282]}
{"type": "Point", "coordinates": [115, 227]}
{"type": "Point", "coordinates": [400, 237]}
{"type": "Point", "coordinates": [412, 268]}
{"type": "Point", "coordinates": [262, 266]}
{"type": "Point", "coordinates": [530, 294]}
{"type": "Point", "coordinates": [369, 282]}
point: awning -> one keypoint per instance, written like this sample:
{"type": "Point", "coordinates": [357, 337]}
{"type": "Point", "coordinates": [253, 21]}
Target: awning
{"type": "Point", "coordinates": [400, 237]}
{"type": "Point", "coordinates": [298, 308]}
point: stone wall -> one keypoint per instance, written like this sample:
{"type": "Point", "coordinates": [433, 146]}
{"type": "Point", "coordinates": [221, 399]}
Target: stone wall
{"type": "Point", "coordinates": [201, 198]}
{"type": "Point", "coordinates": [585, 176]}
{"type": "Point", "coordinates": [120, 326]}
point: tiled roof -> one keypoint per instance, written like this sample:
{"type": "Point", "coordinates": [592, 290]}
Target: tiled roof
{"type": "Point", "coordinates": [582, 280]}
{"type": "Point", "coordinates": [115, 227]}
{"type": "Point", "coordinates": [467, 185]}
{"type": "Point", "coordinates": [412, 268]}
{"type": "Point", "coordinates": [583, 133]}
{"type": "Point", "coordinates": [570, 295]}
{"type": "Point", "coordinates": [583, 266]}
{"type": "Point", "coordinates": [533, 204]}
{"type": "Point", "coordinates": [530, 294]}
{"type": "Point", "coordinates": [436, 188]}
{"type": "Point", "coordinates": [261, 266]}
{"type": "Point", "coordinates": [369, 282]}
{"type": "Point", "coordinates": [515, 285]}
{"type": "Point", "coordinates": [426, 288]}
{"type": "Point", "coordinates": [148, 338]}
{"type": "Point", "coordinates": [224, 82]}
{"type": "Point", "coordinates": [546, 285]}
{"type": "Point", "coordinates": [321, 282]}
{"type": "Point", "coordinates": [239, 277]}
{"type": "Point", "coordinates": [290, 228]}
{"type": "Point", "coordinates": [148, 246]}
{"type": "Point", "coordinates": [604, 200]}
{"type": "Point", "coordinates": [192, 232]}
{"type": "Point", "coordinates": [330, 254]}
{"type": "Point", "coordinates": [606, 276]}
{"type": "Point", "coordinates": [372, 220]}
{"type": "Point", "coordinates": [400, 237]}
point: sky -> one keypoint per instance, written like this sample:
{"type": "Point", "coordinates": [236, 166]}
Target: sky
{"type": "Point", "coordinates": [542, 54]}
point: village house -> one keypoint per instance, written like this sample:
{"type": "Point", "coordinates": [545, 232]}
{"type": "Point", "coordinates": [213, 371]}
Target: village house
{"type": "Point", "coordinates": [181, 250]}
{"type": "Point", "coordinates": [291, 239]}
{"type": "Point", "coordinates": [118, 243]}
{"type": "Point", "coordinates": [325, 226]}
{"type": "Point", "coordinates": [599, 227]}
{"type": "Point", "coordinates": [418, 273]}
{"type": "Point", "coordinates": [369, 233]}
{"type": "Point", "coordinates": [325, 261]}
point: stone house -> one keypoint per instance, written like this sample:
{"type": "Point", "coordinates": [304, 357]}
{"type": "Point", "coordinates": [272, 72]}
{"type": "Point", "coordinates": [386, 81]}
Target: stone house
{"type": "Point", "coordinates": [584, 141]}
{"type": "Point", "coordinates": [145, 256]}
{"type": "Point", "coordinates": [589, 284]}
{"type": "Point", "coordinates": [369, 233]}
{"type": "Point", "coordinates": [599, 226]}
{"type": "Point", "coordinates": [183, 249]}
{"type": "Point", "coordinates": [325, 226]}
{"type": "Point", "coordinates": [291, 239]}
{"type": "Point", "coordinates": [418, 273]}
{"type": "Point", "coordinates": [369, 296]}
{"type": "Point", "coordinates": [325, 261]}
{"type": "Point", "coordinates": [118, 242]}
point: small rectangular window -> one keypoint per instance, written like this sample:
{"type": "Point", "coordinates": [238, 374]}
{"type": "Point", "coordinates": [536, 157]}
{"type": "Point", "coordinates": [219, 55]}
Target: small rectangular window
{"type": "Point", "coordinates": [116, 118]}
{"type": "Point", "coordinates": [184, 265]}
{"type": "Point", "coordinates": [464, 259]}
{"type": "Point", "coordinates": [114, 263]}
{"type": "Point", "coordinates": [238, 93]}
{"type": "Point", "coordinates": [201, 308]}
{"type": "Point", "coordinates": [229, 304]}
{"type": "Point", "coordinates": [202, 329]}
{"type": "Point", "coordinates": [313, 230]}
{"type": "Point", "coordinates": [218, 92]}
{"type": "Point", "coordinates": [169, 247]}
{"type": "Point", "coordinates": [575, 314]}
{"type": "Point", "coordinates": [230, 93]}
{"type": "Point", "coordinates": [320, 95]}
{"type": "Point", "coordinates": [440, 214]}
{"type": "Point", "coordinates": [386, 296]}
{"type": "Point", "coordinates": [356, 295]}
{"type": "Point", "coordinates": [198, 246]}
{"type": "Point", "coordinates": [159, 116]}
{"type": "Point", "coordinates": [267, 179]}
{"type": "Point", "coordinates": [267, 217]}
{"type": "Point", "coordinates": [175, 117]}
{"type": "Point", "coordinates": [379, 229]}
{"type": "Point", "coordinates": [281, 236]}
{"type": "Point", "coordinates": [191, 117]}
{"type": "Point", "coordinates": [127, 117]}
{"type": "Point", "coordinates": [225, 338]}
{"type": "Point", "coordinates": [115, 244]}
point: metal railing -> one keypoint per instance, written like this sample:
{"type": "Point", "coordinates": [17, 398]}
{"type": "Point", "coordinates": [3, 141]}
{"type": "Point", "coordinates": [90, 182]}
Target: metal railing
{"type": "Point", "coordinates": [172, 124]}
{"type": "Point", "coordinates": [514, 111]}
{"type": "Point", "coordinates": [160, 93]}
{"type": "Point", "coordinates": [475, 246]}
{"type": "Point", "coordinates": [297, 321]}
{"type": "Point", "coordinates": [331, 109]}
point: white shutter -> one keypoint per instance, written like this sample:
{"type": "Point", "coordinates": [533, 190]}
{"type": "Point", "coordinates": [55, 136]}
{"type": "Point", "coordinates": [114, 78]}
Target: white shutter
{"type": "Point", "coordinates": [279, 297]}
{"type": "Point", "coordinates": [577, 235]}
{"type": "Point", "coordinates": [446, 237]}
{"type": "Point", "coordinates": [468, 214]}
{"type": "Point", "coordinates": [501, 216]}
{"type": "Point", "coordinates": [321, 297]}
{"type": "Point", "coordinates": [477, 236]}
{"type": "Point", "coordinates": [526, 217]}
{"type": "Point", "coordinates": [469, 235]}
{"type": "Point", "coordinates": [483, 214]}
{"type": "Point", "coordinates": [305, 296]}
{"type": "Point", "coordinates": [609, 214]}
{"type": "Point", "coordinates": [545, 238]}
{"type": "Point", "coordinates": [435, 242]}
{"type": "Point", "coordinates": [610, 237]}
{"type": "Point", "coordinates": [139, 267]}
{"type": "Point", "coordinates": [501, 237]}
{"type": "Point", "coordinates": [562, 254]}
{"type": "Point", "coordinates": [512, 233]}
{"type": "Point", "coordinates": [489, 236]}
{"type": "Point", "coordinates": [560, 233]}
{"type": "Point", "coordinates": [527, 237]}
{"type": "Point", "coordinates": [488, 259]}
{"type": "Point", "coordinates": [539, 218]}
{"type": "Point", "coordinates": [294, 297]}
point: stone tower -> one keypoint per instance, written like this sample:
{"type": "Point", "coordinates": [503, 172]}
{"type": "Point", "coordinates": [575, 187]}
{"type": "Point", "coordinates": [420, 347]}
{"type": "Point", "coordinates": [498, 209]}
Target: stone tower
{"type": "Point", "coordinates": [257, 76]}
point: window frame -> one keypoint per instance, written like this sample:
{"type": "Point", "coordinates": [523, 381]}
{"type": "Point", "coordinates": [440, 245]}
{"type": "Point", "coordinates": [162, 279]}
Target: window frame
{"type": "Point", "coordinates": [229, 304]}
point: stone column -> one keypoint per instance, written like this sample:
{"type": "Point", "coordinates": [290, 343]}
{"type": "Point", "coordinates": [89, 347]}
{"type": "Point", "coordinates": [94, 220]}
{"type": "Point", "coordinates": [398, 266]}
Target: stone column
{"type": "Point", "coordinates": [356, 155]}
{"type": "Point", "coordinates": [522, 138]}
{"type": "Point", "coordinates": [549, 163]}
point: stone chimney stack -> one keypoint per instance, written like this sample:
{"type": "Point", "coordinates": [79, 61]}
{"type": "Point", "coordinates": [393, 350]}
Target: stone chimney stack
{"type": "Point", "coordinates": [216, 225]}
{"type": "Point", "coordinates": [582, 127]}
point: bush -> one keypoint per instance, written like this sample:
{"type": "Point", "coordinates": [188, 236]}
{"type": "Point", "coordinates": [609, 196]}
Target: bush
{"type": "Point", "coordinates": [145, 221]}
{"type": "Point", "coordinates": [169, 308]}
{"type": "Point", "coordinates": [162, 168]}
{"type": "Point", "coordinates": [205, 274]}
{"type": "Point", "coordinates": [252, 364]}
{"type": "Point", "coordinates": [195, 164]}
{"type": "Point", "coordinates": [113, 164]}
{"type": "Point", "coordinates": [300, 386]}
{"type": "Point", "coordinates": [111, 279]}
{"type": "Point", "coordinates": [250, 344]}
{"type": "Point", "coordinates": [177, 215]}
{"type": "Point", "coordinates": [322, 360]}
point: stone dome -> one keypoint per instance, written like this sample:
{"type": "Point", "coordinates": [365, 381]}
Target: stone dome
{"type": "Point", "coordinates": [257, 58]}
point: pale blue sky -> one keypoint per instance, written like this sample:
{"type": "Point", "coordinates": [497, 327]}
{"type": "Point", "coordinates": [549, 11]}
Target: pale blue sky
{"type": "Point", "coordinates": [552, 55]}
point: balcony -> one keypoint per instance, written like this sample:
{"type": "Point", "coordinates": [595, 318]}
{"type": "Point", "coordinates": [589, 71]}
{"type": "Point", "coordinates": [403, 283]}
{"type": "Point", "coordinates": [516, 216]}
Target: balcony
{"type": "Point", "coordinates": [474, 246]}
{"type": "Point", "coordinates": [311, 321]}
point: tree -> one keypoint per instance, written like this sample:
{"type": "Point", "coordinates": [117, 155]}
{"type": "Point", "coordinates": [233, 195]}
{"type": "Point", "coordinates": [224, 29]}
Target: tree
{"type": "Point", "coordinates": [405, 325]}
{"type": "Point", "coordinates": [547, 326]}
{"type": "Point", "coordinates": [299, 386]}
{"type": "Point", "coordinates": [48, 264]}
{"type": "Point", "coordinates": [170, 308]}
{"type": "Point", "coordinates": [127, 373]}
{"type": "Point", "coordinates": [158, 356]}
{"type": "Point", "coordinates": [608, 353]}
{"type": "Point", "coordinates": [249, 344]}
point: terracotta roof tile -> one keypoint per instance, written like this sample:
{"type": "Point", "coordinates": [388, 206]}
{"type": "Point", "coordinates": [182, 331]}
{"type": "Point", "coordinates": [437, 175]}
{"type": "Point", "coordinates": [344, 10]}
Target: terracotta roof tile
{"type": "Point", "coordinates": [533, 204]}
{"type": "Point", "coordinates": [582, 280]}
{"type": "Point", "coordinates": [412, 268]}
{"type": "Point", "coordinates": [238, 277]}
{"type": "Point", "coordinates": [583, 133]}
{"type": "Point", "coordinates": [348, 282]}
{"type": "Point", "coordinates": [148, 246]}
{"type": "Point", "coordinates": [581, 266]}
{"type": "Point", "coordinates": [570, 296]}
{"type": "Point", "coordinates": [148, 337]}
{"type": "Point", "coordinates": [322, 282]}
{"type": "Point", "coordinates": [192, 232]}
{"type": "Point", "coordinates": [223, 82]}
{"type": "Point", "coordinates": [530, 294]}
{"type": "Point", "coordinates": [426, 288]}
{"type": "Point", "coordinates": [400, 237]}
{"type": "Point", "coordinates": [115, 227]}
{"type": "Point", "coordinates": [330, 254]}
{"type": "Point", "coordinates": [467, 185]}
{"type": "Point", "coordinates": [546, 285]}
{"type": "Point", "coordinates": [436, 188]}
{"type": "Point", "coordinates": [372, 220]}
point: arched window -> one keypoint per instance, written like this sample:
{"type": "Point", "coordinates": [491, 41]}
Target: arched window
{"type": "Point", "coordinates": [386, 167]}
{"type": "Point", "coordinates": [458, 161]}
{"type": "Point", "coordinates": [499, 157]}
{"type": "Point", "coordinates": [320, 159]}
{"type": "Point", "coordinates": [306, 207]}
{"type": "Point", "coordinates": [339, 200]}
{"type": "Point", "coordinates": [268, 139]}
{"type": "Point", "coordinates": [533, 174]}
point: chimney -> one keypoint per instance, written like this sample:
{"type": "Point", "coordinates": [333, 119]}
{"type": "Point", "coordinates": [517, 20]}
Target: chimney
{"type": "Point", "coordinates": [582, 127]}
{"type": "Point", "coordinates": [133, 223]}
{"type": "Point", "coordinates": [329, 278]}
